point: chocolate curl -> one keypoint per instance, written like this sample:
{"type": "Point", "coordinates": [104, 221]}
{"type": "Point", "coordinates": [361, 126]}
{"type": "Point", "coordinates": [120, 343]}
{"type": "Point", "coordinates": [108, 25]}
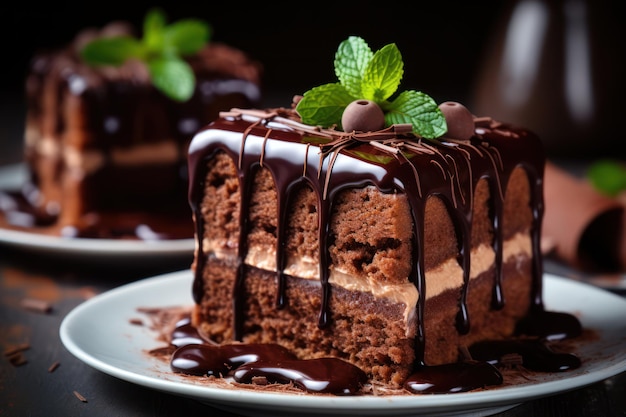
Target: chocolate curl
{"type": "Point", "coordinates": [584, 228]}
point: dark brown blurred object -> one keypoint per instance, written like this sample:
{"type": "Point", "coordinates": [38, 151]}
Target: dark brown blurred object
{"type": "Point", "coordinates": [557, 68]}
{"type": "Point", "coordinates": [586, 229]}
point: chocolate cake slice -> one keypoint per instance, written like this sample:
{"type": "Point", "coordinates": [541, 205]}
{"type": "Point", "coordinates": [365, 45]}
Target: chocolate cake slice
{"type": "Point", "coordinates": [393, 248]}
{"type": "Point", "coordinates": [107, 150]}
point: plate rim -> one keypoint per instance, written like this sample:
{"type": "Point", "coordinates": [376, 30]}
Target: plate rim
{"type": "Point", "coordinates": [12, 175]}
{"type": "Point", "coordinates": [91, 246]}
{"type": "Point", "coordinates": [398, 403]}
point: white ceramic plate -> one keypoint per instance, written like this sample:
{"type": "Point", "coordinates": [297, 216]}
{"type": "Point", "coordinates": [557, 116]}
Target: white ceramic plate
{"type": "Point", "coordinates": [108, 248]}
{"type": "Point", "coordinates": [99, 333]}
{"type": "Point", "coordinates": [13, 175]}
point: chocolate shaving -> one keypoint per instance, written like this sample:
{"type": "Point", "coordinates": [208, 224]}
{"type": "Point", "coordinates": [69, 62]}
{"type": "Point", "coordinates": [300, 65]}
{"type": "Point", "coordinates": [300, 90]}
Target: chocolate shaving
{"type": "Point", "coordinates": [54, 366]}
{"type": "Point", "coordinates": [16, 349]}
{"type": "Point", "coordinates": [36, 305]}
{"type": "Point", "coordinates": [483, 121]}
{"type": "Point", "coordinates": [163, 319]}
{"type": "Point", "coordinates": [289, 118]}
{"type": "Point", "coordinates": [80, 397]}
{"type": "Point", "coordinates": [259, 380]}
{"type": "Point", "coordinates": [17, 359]}
{"type": "Point", "coordinates": [136, 322]}
{"type": "Point", "coordinates": [511, 360]}
{"type": "Point", "coordinates": [164, 350]}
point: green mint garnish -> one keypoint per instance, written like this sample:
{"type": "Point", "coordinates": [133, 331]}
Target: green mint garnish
{"type": "Point", "coordinates": [162, 48]}
{"type": "Point", "coordinates": [363, 74]}
{"type": "Point", "coordinates": [608, 177]}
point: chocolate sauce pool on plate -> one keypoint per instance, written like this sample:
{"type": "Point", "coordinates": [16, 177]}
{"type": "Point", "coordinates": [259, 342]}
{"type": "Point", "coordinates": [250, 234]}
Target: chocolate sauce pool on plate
{"type": "Point", "coordinates": [272, 363]}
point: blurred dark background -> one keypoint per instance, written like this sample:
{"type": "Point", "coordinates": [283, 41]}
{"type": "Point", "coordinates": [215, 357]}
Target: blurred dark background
{"type": "Point", "coordinates": [447, 48]}
{"type": "Point", "coordinates": [296, 41]}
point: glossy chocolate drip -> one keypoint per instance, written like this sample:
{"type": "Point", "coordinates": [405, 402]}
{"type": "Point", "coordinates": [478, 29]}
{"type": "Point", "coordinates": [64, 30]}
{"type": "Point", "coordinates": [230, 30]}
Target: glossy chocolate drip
{"type": "Point", "coordinates": [203, 359]}
{"type": "Point", "coordinates": [549, 325]}
{"type": "Point", "coordinates": [533, 354]}
{"type": "Point", "coordinates": [186, 333]}
{"type": "Point", "coordinates": [247, 362]}
{"type": "Point", "coordinates": [497, 300]}
{"type": "Point", "coordinates": [195, 355]}
{"type": "Point", "coordinates": [447, 169]}
{"type": "Point", "coordinates": [325, 375]}
{"type": "Point", "coordinates": [454, 377]}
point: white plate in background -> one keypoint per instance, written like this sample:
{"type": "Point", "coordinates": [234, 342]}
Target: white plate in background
{"type": "Point", "coordinates": [12, 176]}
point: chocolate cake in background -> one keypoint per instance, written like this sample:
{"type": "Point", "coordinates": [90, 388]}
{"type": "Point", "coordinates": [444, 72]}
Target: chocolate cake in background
{"type": "Point", "coordinates": [107, 151]}
{"type": "Point", "coordinates": [408, 248]}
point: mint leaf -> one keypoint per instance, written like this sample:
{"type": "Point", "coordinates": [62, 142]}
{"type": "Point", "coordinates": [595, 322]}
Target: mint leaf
{"type": "Point", "coordinates": [418, 109]}
{"type": "Point", "coordinates": [153, 28]}
{"type": "Point", "coordinates": [173, 76]}
{"type": "Point", "coordinates": [161, 49]}
{"type": "Point", "coordinates": [186, 37]}
{"type": "Point", "coordinates": [324, 105]}
{"type": "Point", "coordinates": [608, 177]}
{"type": "Point", "coordinates": [377, 159]}
{"type": "Point", "coordinates": [376, 77]}
{"type": "Point", "coordinates": [111, 51]}
{"type": "Point", "coordinates": [382, 75]}
{"type": "Point", "coordinates": [351, 59]}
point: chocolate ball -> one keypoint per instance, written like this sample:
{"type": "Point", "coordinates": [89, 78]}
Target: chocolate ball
{"type": "Point", "coordinates": [459, 120]}
{"type": "Point", "coordinates": [362, 116]}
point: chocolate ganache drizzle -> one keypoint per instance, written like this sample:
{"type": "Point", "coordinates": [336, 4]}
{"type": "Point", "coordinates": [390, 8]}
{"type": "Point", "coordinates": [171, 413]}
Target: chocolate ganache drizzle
{"type": "Point", "coordinates": [392, 160]}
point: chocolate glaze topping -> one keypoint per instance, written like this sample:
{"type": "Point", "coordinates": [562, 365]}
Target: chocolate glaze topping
{"type": "Point", "coordinates": [393, 160]}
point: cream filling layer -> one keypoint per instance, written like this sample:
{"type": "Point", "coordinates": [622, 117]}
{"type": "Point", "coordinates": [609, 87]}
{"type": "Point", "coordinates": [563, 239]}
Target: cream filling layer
{"type": "Point", "coordinates": [447, 276]}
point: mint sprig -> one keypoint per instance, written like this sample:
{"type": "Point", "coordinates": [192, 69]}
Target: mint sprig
{"type": "Point", "coordinates": [162, 48]}
{"type": "Point", "coordinates": [363, 74]}
{"type": "Point", "coordinates": [608, 176]}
